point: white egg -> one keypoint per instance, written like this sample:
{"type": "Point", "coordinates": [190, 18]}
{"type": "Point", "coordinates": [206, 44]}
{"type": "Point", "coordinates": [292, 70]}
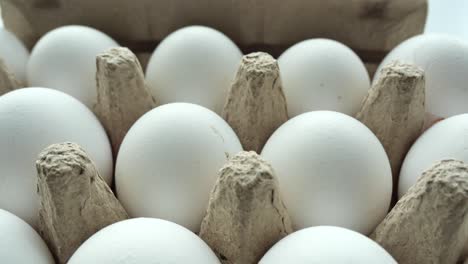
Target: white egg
{"type": "Point", "coordinates": [445, 62]}
{"type": "Point", "coordinates": [322, 74]}
{"type": "Point", "coordinates": [194, 64]}
{"type": "Point", "coordinates": [20, 243]}
{"type": "Point", "coordinates": [327, 245]}
{"type": "Point", "coordinates": [169, 160]}
{"type": "Point", "coordinates": [30, 120]}
{"type": "Point", "coordinates": [65, 59]}
{"type": "Point", "coordinates": [144, 240]}
{"type": "Point", "coordinates": [14, 54]}
{"type": "Point", "coordinates": [332, 171]}
{"type": "Point", "coordinates": [447, 139]}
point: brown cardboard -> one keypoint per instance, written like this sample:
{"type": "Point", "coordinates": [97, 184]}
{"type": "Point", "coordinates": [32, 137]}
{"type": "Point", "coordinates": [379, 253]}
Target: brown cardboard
{"type": "Point", "coordinates": [246, 215]}
{"type": "Point", "coordinates": [371, 27]}
{"type": "Point", "coordinates": [429, 224]}
{"type": "Point", "coordinates": [122, 95]}
{"type": "Point", "coordinates": [256, 106]}
{"type": "Point", "coordinates": [75, 202]}
{"type": "Point", "coordinates": [394, 109]}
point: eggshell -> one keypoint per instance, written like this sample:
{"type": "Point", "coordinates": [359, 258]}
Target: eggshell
{"type": "Point", "coordinates": [447, 139]}
{"type": "Point", "coordinates": [65, 59]}
{"type": "Point", "coordinates": [14, 54]}
{"type": "Point", "coordinates": [194, 64]}
{"type": "Point", "coordinates": [144, 240]}
{"type": "Point", "coordinates": [30, 120]}
{"type": "Point", "coordinates": [332, 171]}
{"type": "Point", "coordinates": [445, 62]}
{"type": "Point", "coordinates": [20, 243]}
{"type": "Point", "coordinates": [327, 245]}
{"type": "Point", "coordinates": [169, 160]}
{"type": "Point", "coordinates": [322, 74]}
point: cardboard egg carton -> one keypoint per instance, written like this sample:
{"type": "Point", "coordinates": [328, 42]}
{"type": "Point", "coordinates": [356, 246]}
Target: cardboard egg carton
{"type": "Point", "coordinates": [436, 207]}
{"type": "Point", "coordinates": [370, 27]}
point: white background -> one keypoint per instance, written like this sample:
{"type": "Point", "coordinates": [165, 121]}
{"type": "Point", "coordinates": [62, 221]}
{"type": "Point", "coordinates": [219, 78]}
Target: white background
{"type": "Point", "coordinates": [448, 16]}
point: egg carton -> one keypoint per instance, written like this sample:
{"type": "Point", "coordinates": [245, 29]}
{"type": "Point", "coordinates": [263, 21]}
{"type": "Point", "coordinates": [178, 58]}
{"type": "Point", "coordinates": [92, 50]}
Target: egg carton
{"type": "Point", "coordinates": [429, 218]}
{"type": "Point", "coordinates": [427, 225]}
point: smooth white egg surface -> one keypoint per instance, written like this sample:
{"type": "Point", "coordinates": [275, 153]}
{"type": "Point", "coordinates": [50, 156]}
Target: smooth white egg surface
{"type": "Point", "coordinates": [65, 59]}
{"type": "Point", "coordinates": [20, 244]}
{"type": "Point", "coordinates": [194, 64]}
{"type": "Point", "coordinates": [323, 74]}
{"type": "Point", "coordinates": [14, 54]}
{"type": "Point", "coordinates": [332, 171]}
{"type": "Point", "coordinates": [445, 62]}
{"type": "Point", "coordinates": [144, 240]}
{"type": "Point", "coordinates": [327, 245]}
{"type": "Point", "coordinates": [169, 160]}
{"type": "Point", "coordinates": [447, 139]}
{"type": "Point", "coordinates": [30, 120]}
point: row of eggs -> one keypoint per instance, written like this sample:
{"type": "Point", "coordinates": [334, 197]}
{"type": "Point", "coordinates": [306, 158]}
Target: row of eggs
{"type": "Point", "coordinates": [170, 157]}
{"type": "Point", "coordinates": [194, 64]}
{"type": "Point", "coordinates": [146, 240]}
{"type": "Point", "coordinates": [197, 64]}
{"type": "Point", "coordinates": [172, 154]}
{"type": "Point", "coordinates": [332, 170]}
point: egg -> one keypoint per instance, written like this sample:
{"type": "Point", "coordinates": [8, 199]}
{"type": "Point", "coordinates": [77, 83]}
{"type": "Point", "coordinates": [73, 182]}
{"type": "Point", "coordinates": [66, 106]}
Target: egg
{"type": "Point", "coordinates": [14, 54]}
{"type": "Point", "coordinates": [447, 139]}
{"type": "Point", "coordinates": [144, 240]}
{"type": "Point", "coordinates": [169, 160]}
{"type": "Point", "coordinates": [65, 59]}
{"type": "Point", "coordinates": [20, 243]}
{"type": "Point", "coordinates": [327, 245]}
{"type": "Point", "coordinates": [322, 74]}
{"type": "Point", "coordinates": [445, 62]}
{"type": "Point", "coordinates": [195, 64]}
{"type": "Point", "coordinates": [30, 120]}
{"type": "Point", "coordinates": [332, 171]}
